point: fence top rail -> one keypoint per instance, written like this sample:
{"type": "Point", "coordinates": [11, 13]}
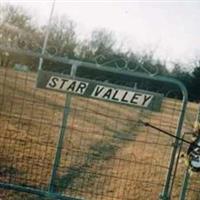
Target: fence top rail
{"type": "Point", "coordinates": [78, 64]}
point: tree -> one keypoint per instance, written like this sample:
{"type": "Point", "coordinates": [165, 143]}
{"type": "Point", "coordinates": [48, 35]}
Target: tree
{"type": "Point", "coordinates": [185, 77]}
{"type": "Point", "coordinates": [62, 38]}
{"type": "Point", "coordinates": [102, 41]}
{"type": "Point", "coordinates": [99, 48]}
{"type": "Point", "coordinates": [62, 42]}
{"type": "Point", "coordinates": [16, 16]}
{"type": "Point", "coordinates": [195, 86]}
{"type": "Point", "coordinates": [84, 51]}
{"type": "Point", "coordinates": [16, 30]}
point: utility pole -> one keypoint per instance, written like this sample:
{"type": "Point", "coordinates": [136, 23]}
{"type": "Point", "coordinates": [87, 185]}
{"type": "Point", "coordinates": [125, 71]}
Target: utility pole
{"type": "Point", "coordinates": [46, 35]}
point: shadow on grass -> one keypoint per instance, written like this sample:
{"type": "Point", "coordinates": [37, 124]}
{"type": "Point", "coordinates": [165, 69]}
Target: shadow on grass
{"type": "Point", "coordinates": [86, 174]}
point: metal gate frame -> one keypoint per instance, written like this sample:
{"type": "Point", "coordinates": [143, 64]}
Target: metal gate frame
{"type": "Point", "coordinates": [166, 193]}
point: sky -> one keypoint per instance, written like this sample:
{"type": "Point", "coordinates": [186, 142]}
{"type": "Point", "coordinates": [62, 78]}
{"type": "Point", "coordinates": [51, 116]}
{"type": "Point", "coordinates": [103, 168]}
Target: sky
{"type": "Point", "coordinates": [171, 29]}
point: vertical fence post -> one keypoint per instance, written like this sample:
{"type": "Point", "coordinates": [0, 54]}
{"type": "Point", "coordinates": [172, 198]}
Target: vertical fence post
{"type": "Point", "coordinates": [165, 195]}
{"type": "Point", "coordinates": [185, 184]}
{"type": "Point", "coordinates": [186, 179]}
{"type": "Point", "coordinates": [197, 121]}
{"type": "Point", "coordinates": [61, 136]}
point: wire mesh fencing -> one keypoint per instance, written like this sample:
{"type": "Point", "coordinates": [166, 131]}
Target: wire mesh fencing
{"type": "Point", "coordinates": [106, 153]}
{"type": "Point", "coordinates": [192, 186]}
{"type": "Point", "coordinates": [63, 146]}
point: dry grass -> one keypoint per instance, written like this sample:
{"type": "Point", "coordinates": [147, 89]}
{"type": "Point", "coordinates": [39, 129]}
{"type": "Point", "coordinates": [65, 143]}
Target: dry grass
{"type": "Point", "coordinates": [105, 154]}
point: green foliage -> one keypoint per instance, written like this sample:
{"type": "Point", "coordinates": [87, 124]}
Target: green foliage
{"type": "Point", "coordinates": [195, 85]}
{"type": "Point", "coordinates": [182, 75]}
{"type": "Point", "coordinates": [190, 79]}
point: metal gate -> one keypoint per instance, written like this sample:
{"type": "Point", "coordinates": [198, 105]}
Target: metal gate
{"type": "Point", "coordinates": [78, 136]}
